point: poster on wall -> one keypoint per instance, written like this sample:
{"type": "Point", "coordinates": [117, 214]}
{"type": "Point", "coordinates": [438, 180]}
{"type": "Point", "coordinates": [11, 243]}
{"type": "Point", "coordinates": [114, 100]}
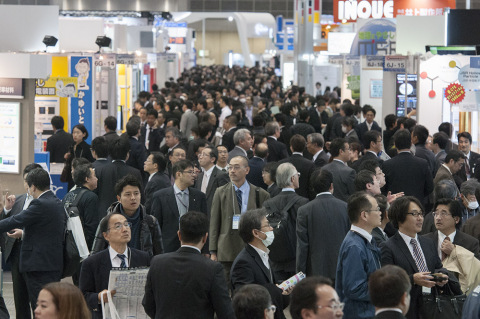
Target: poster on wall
{"type": "Point", "coordinates": [376, 89]}
{"type": "Point", "coordinates": [45, 109]}
{"type": "Point", "coordinates": [81, 107]}
{"type": "Point", "coordinates": [9, 137]}
{"type": "Point", "coordinates": [56, 87]}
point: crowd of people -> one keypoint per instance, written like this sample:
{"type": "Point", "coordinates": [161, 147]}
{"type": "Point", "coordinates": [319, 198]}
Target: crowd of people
{"type": "Point", "coordinates": [227, 185]}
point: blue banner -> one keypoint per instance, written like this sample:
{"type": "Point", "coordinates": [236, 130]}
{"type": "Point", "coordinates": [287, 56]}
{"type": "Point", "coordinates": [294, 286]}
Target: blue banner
{"type": "Point", "coordinates": [81, 108]}
{"type": "Point", "coordinates": [475, 62]}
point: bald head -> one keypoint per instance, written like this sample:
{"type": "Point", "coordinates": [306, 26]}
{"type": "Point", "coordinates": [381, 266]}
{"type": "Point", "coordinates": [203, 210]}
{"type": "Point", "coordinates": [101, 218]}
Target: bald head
{"type": "Point", "coordinates": [261, 150]}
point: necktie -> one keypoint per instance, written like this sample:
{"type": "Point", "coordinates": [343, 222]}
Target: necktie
{"type": "Point", "coordinates": [417, 255]}
{"type": "Point", "coordinates": [443, 254]}
{"type": "Point", "coordinates": [183, 207]}
{"type": "Point", "coordinates": [467, 167]}
{"type": "Point", "coordinates": [122, 257]}
{"type": "Point", "coordinates": [204, 184]}
{"type": "Point", "coordinates": [239, 199]}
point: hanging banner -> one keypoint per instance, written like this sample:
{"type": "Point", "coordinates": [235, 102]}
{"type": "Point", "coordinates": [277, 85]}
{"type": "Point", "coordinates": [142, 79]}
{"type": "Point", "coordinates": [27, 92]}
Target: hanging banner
{"type": "Point", "coordinates": [81, 107]}
{"type": "Point", "coordinates": [57, 87]}
{"type": "Point", "coordinates": [421, 7]}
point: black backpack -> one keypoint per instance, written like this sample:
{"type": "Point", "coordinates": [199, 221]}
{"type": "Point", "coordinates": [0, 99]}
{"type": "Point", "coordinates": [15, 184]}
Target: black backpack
{"type": "Point", "coordinates": [284, 228]}
{"type": "Point", "coordinates": [71, 256]}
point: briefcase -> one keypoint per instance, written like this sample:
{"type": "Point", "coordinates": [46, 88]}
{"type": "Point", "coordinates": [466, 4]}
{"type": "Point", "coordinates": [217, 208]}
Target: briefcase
{"type": "Point", "coordinates": [442, 306]}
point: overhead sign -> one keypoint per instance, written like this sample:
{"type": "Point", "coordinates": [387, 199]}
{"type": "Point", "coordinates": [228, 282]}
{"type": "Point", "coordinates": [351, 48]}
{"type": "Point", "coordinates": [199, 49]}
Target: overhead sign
{"type": "Point", "coordinates": [395, 64]}
{"type": "Point", "coordinates": [422, 8]}
{"type": "Point", "coordinates": [9, 137]}
{"type": "Point", "coordinates": [57, 87]}
{"type": "Point", "coordinates": [11, 88]}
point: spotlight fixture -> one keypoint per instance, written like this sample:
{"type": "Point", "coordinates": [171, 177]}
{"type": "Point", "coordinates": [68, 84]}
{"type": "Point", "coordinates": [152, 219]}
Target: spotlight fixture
{"type": "Point", "coordinates": [167, 15]}
{"type": "Point", "coordinates": [102, 42]}
{"type": "Point", "coordinates": [50, 41]}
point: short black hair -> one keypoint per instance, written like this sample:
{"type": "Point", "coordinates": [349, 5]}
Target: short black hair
{"type": "Point", "coordinates": [403, 139]}
{"type": "Point", "coordinates": [303, 115]}
{"type": "Point", "coordinates": [100, 146]}
{"type": "Point", "coordinates": [57, 122]}
{"type": "Point", "coordinates": [322, 180]}
{"type": "Point", "coordinates": [39, 178]}
{"type": "Point", "coordinates": [203, 129]}
{"type": "Point", "coordinates": [213, 152]}
{"type": "Point", "coordinates": [447, 128]}
{"type": "Point", "coordinates": [465, 135]}
{"type": "Point", "coordinates": [110, 122]}
{"type": "Point", "coordinates": [368, 108]}
{"type": "Point", "coordinates": [336, 145]}
{"type": "Point", "coordinates": [159, 159]}
{"type": "Point", "coordinates": [81, 173]}
{"type": "Point", "coordinates": [132, 128]}
{"type": "Point", "coordinates": [83, 129]}
{"type": "Point", "coordinates": [281, 118]}
{"type": "Point", "coordinates": [30, 167]}
{"type": "Point", "coordinates": [348, 121]}
{"type": "Point", "coordinates": [441, 139]}
{"type": "Point", "coordinates": [399, 209]}
{"type": "Point", "coordinates": [421, 132]}
{"type": "Point", "coordinates": [304, 295]}
{"type": "Point", "coordinates": [363, 178]}
{"type": "Point", "coordinates": [298, 143]}
{"type": "Point", "coordinates": [127, 180]}
{"type": "Point", "coordinates": [358, 203]}
{"type": "Point", "coordinates": [180, 166]}
{"type": "Point", "coordinates": [390, 120]}
{"type": "Point", "coordinates": [454, 207]}
{"type": "Point", "coordinates": [152, 112]}
{"type": "Point", "coordinates": [369, 137]}
{"type": "Point", "coordinates": [250, 301]}
{"type": "Point", "coordinates": [387, 285]}
{"type": "Point", "coordinates": [369, 165]}
{"type": "Point", "coordinates": [120, 148]}
{"type": "Point", "coordinates": [258, 121]}
{"type": "Point", "coordinates": [455, 155]}
{"type": "Point", "coordinates": [250, 220]}
{"type": "Point", "coordinates": [193, 227]}
{"type": "Point", "coordinates": [105, 220]}
{"type": "Point", "coordinates": [271, 168]}
{"type": "Point", "coordinates": [79, 161]}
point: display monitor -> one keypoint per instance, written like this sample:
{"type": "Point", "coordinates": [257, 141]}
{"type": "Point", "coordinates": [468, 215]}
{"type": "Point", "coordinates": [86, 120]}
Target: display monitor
{"type": "Point", "coordinates": [453, 49]}
{"type": "Point", "coordinates": [406, 94]}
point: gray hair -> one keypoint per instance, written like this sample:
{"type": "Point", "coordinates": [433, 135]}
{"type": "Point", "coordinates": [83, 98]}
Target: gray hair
{"type": "Point", "coordinates": [445, 189]}
{"type": "Point", "coordinates": [316, 138]}
{"type": "Point", "coordinates": [240, 135]}
{"type": "Point", "coordinates": [284, 174]}
{"type": "Point", "coordinates": [271, 128]}
{"type": "Point", "coordinates": [469, 187]}
{"type": "Point", "coordinates": [175, 132]}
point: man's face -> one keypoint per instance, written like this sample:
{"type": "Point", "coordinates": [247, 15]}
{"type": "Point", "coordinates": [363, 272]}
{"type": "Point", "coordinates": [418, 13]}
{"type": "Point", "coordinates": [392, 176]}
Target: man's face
{"type": "Point", "coordinates": [212, 119]}
{"type": "Point", "coordinates": [444, 221]}
{"type": "Point", "coordinates": [151, 120]}
{"type": "Point", "coordinates": [377, 147]}
{"type": "Point", "coordinates": [380, 175]}
{"type": "Point", "coordinates": [130, 198]}
{"type": "Point", "coordinates": [260, 105]}
{"type": "Point", "coordinates": [170, 139]}
{"type": "Point", "coordinates": [238, 170]}
{"type": "Point", "coordinates": [143, 114]}
{"type": "Point", "coordinates": [374, 216]}
{"type": "Point", "coordinates": [177, 155]}
{"type": "Point", "coordinates": [456, 166]}
{"type": "Point", "coordinates": [148, 165]}
{"type": "Point", "coordinates": [118, 232]}
{"type": "Point", "coordinates": [160, 119]}
{"type": "Point", "coordinates": [25, 185]}
{"type": "Point", "coordinates": [187, 177]}
{"type": "Point", "coordinates": [464, 145]}
{"type": "Point", "coordinates": [374, 188]}
{"type": "Point", "coordinates": [204, 158]}
{"type": "Point", "coordinates": [222, 154]}
{"type": "Point", "coordinates": [247, 143]}
{"type": "Point", "coordinates": [92, 181]}
{"type": "Point", "coordinates": [310, 146]}
{"type": "Point", "coordinates": [345, 153]}
{"type": "Point", "coordinates": [412, 225]}
{"type": "Point", "coordinates": [369, 116]}
{"type": "Point", "coordinates": [328, 304]}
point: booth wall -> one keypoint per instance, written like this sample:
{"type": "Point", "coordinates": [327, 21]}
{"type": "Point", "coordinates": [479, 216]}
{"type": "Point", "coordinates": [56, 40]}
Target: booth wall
{"type": "Point", "coordinates": [389, 96]}
{"type": "Point", "coordinates": [219, 43]}
{"type": "Point", "coordinates": [414, 33]}
{"type": "Point", "coordinates": [366, 77]}
{"type": "Point", "coordinates": [80, 34]}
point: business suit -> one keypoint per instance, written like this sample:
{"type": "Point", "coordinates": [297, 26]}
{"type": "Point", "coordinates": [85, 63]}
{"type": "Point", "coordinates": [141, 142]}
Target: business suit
{"type": "Point", "coordinates": [329, 135]}
{"type": "Point", "coordinates": [443, 173]}
{"type": "Point", "coordinates": [217, 179]}
{"type": "Point", "coordinates": [165, 209]}
{"type": "Point", "coordinates": [187, 122]}
{"type": "Point", "coordinates": [317, 120]}
{"type": "Point", "coordinates": [352, 137]}
{"type": "Point", "coordinates": [321, 227]}
{"type": "Point", "coordinates": [466, 241]}
{"type": "Point", "coordinates": [254, 177]}
{"type": "Point", "coordinates": [95, 274]}
{"type": "Point", "coordinates": [305, 168]}
{"type": "Point", "coordinates": [362, 128]}
{"type": "Point", "coordinates": [276, 150]}
{"type": "Point", "coordinates": [137, 155]}
{"type": "Point", "coordinates": [159, 181]}
{"type": "Point", "coordinates": [237, 151]}
{"type": "Point", "coordinates": [155, 137]}
{"type": "Point", "coordinates": [343, 179]}
{"type": "Point", "coordinates": [439, 159]}
{"type": "Point", "coordinates": [99, 164]}
{"type": "Point", "coordinates": [41, 253]}
{"type": "Point", "coordinates": [379, 237]}
{"type": "Point", "coordinates": [111, 137]}
{"type": "Point", "coordinates": [367, 157]}
{"type": "Point", "coordinates": [227, 139]}
{"type": "Point", "coordinates": [461, 175]}
{"type": "Point", "coordinates": [322, 159]}
{"type": "Point", "coordinates": [11, 248]}
{"type": "Point", "coordinates": [175, 291]}
{"type": "Point", "coordinates": [58, 144]}
{"type": "Point", "coordinates": [389, 314]}
{"type": "Point", "coordinates": [273, 190]}
{"type": "Point", "coordinates": [409, 174]}
{"type": "Point", "coordinates": [422, 152]}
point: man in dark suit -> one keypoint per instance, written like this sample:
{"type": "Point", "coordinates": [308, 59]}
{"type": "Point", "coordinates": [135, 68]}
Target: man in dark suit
{"type": "Point", "coordinates": [448, 219]}
{"type": "Point", "coordinates": [369, 123]}
{"type": "Point", "coordinates": [184, 275]}
{"type": "Point", "coordinates": [95, 272]}
{"type": "Point", "coordinates": [343, 176]}
{"type": "Point", "coordinates": [303, 126]}
{"type": "Point", "coordinates": [138, 154]}
{"type": "Point", "coordinates": [315, 144]}
{"type": "Point", "coordinates": [230, 126]}
{"type": "Point", "coordinates": [43, 224]}
{"type": "Point", "coordinates": [389, 289]}
{"type": "Point", "coordinates": [211, 177]}
{"type": "Point", "coordinates": [110, 126]}
{"type": "Point", "coordinates": [256, 164]}
{"type": "Point", "coordinates": [372, 142]}
{"type": "Point", "coordinates": [151, 136]}
{"type": "Point", "coordinates": [285, 133]}
{"type": "Point", "coordinates": [59, 142]}
{"type": "Point", "coordinates": [276, 150]}
{"type": "Point", "coordinates": [11, 247]}
{"type": "Point", "coordinates": [243, 143]}
{"type": "Point", "coordinates": [100, 153]}
{"type": "Point", "coordinates": [175, 201]}
{"type": "Point", "coordinates": [407, 173]}
{"type": "Point", "coordinates": [112, 173]}
{"type": "Point", "coordinates": [465, 145]}
{"type": "Point", "coordinates": [419, 138]}
{"type": "Point", "coordinates": [318, 116]}
{"type": "Point", "coordinates": [439, 143]}
{"type": "Point", "coordinates": [454, 161]}
{"type": "Point", "coordinates": [155, 166]}
{"type": "Point", "coordinates": [417, 255]}
{"type": "Point", "coordinates": [304, 166]}
{"type": "Point", "coordinates": [321, 227]}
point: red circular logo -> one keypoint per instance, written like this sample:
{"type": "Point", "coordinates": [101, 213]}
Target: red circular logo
{"type": "Point", "coordinates": [455, 93]}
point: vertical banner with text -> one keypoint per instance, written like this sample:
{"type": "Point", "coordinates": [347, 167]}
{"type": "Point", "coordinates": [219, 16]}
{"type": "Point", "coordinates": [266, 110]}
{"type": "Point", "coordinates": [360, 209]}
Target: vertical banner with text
{"type": "Point", "coordinates": [81, 107]}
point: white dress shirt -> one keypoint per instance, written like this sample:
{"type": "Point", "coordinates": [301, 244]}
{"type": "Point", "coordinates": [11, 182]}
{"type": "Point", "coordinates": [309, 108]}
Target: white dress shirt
{"type": "Point", "coordinates": [116, 261]}
{"type": "Point", "coordinates": [263, 255]}
{"type": "Point", "coordinates": [441, 238]}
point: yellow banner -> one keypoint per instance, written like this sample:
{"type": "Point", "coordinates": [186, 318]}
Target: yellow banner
{"type": "Point", "coordinates": [57, 86]}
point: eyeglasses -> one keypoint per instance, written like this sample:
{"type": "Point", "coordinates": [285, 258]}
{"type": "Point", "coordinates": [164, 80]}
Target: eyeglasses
{"type": "Point", "coordinates": [189, 172]}
{"type": "Point", "coordinates": [272, 308]}
{"type": "Point", "coordinates": [441, 213]}
{"type": "Point", "coordinates": [118, 226]}
{"type": "Point", "coordinates": [377, 209]}
{"type": "Point", "coordinates": [416, 214]}
{"type": "Point", "coordinates": [235, 168]}
{"type": "Point", "coordinates": [335, 306]}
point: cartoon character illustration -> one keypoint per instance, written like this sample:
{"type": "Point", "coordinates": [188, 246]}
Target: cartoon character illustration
{"type": "Point", "coordinates": [65, 90]}
{"type": "Point", "coordinates": [83, 69]}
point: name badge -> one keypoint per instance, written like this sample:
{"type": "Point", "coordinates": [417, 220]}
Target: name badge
{"type": "Point", "coordinates": [235, 221]}
{"type": "Point", "coordinates": [426, 290]}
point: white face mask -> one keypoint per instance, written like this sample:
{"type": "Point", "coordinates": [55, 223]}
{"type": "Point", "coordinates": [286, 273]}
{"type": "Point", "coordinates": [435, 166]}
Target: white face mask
{"type": "Point", "coordinates": [344, 129]}
{"type": "Point", "coordinates": [270, 237]}
{"type": "Point", "coordinates": [473, 205]}
{"type": "Point", "coordinates": [243, 100]}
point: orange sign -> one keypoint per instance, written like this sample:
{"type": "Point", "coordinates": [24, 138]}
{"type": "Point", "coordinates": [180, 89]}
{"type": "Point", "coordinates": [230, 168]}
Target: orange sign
{"type": "Point", "coordinates": [455, 93]}
{"type": "Point", "coordinates": [421, 7]}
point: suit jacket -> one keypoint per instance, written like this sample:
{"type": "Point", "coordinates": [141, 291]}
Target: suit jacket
{"type": "Point", "coordinates": [390, 315]}
{"type": "Point", "coordinates": [155, 137]}
{"type": "Point", "coordinates": [58, 144]}
{"type": "Point", "coordinates": [322, 159]}
{"type": "Point", "coordinates": [273, 190]}
{"type": "Point", "coordinates": [317, 121]}
{"type": "Point", "coordinates": [165, 209]}
{"type": "Point", "coordinates": [44, 224]}
{"type": "Point", "coordinates": [8, 242]}
{"type": "Point", "coordinates": [99, 164]}
{"type": "Point", "coordinates": [171, 286]}
{"type": "Point", "coordinates": [111, 137]}
{"type": "Point", "coordinates": [227, 139]}
{"type": "Point", "coordinates": [254, 177]}
{"type": "Point", "coordinates": [396, 252]}
{"type": "Point", "coordinates": [328, 130]}
{"type": "Point", "coordinates": [442, 174]}
{"type": "Point", "coordinates": [302, 128]}
{"type": "Point", "coordinates": [137, 155]}
{"type": "Point", "coordinates": [224, 240]}
{"type": "Point", "coordinates": [305, 168]}
{"type": "Point", "coordinates": [343, 179]}
{"type": "Point", "coordinates": [472, 226]}
{"type": "Point", "coordinates": [422, 152]}
{"type": "Point", "coordinates": [461, 175]}
{"type": "Point", "coordinates": [368, 156]}
{"type": "Point", "coordinates": [236, 151]}
{"type": "Point", "coordinates": [352, 136]}
{"type": "Point", "coordinates": [379, 237]}
{"type": "Point", "coordinates": [95, 273]}
{"type": "Point", "coordinates": [276, 150]}
{"type": "Point", "coordinates": [439, 159]}
{"type": "Point", "coordinates": [466, 241]}
{"type": "Point", "coordinates": [188, 121]}
{"type": "Point", "coordinates": [321, 227]}
{"type": "Point", "coordinates": [362, 128]}
{"type": "Point", "coordinates": [217, 179]}
{"type": "Point", "coordinates": [158, 181]}
{"type": "Point", "coordinates": [409, 174]}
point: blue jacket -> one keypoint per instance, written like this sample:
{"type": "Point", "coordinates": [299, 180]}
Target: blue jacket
{"type": "Point", "coordinates": [357, 259]}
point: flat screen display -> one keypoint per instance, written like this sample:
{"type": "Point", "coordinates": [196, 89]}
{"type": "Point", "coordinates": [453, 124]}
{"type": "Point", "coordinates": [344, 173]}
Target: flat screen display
{"type": "Point", "coordinates": [406, 94]}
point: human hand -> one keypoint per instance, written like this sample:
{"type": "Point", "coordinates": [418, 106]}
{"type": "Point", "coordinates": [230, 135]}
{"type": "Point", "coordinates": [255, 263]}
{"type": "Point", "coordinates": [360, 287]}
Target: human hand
{"type": "Point", "coordinates": [9, 201]}
{"type": "Point", "coordinates": [103, 294]}
{"type": "Point", "coordinates": [447, 247]}
{"type": "Point", "coordinates": [443, 281]}
{"type": "Point", "coordinates": [423, 279]}
{"type": "Point", "coordinates": [213, 257]}
{"type": "Point", "coordinates": [15, 233]}
{"type": "Point", "coordinates": [392, 197]}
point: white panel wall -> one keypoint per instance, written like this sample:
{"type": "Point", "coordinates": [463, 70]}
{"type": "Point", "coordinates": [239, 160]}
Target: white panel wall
{"type": "Point", "coordinates": [79, 34]}
{"type": "Point", "coordinates": [25, 66]}
{"type": "Point", "coordinates": [24, 27]}
{"type": "Point", "coordinates": [414, 33]}
{"type": "Point", "coordinates": [366, 76]}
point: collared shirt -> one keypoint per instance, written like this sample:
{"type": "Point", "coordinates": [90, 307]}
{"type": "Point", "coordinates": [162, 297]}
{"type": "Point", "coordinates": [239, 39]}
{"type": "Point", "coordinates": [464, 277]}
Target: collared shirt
{"type": "Point", "coordinates": [196, 248]}
{"type": "Point", "coordinates": [388, 309]}
{"type": "Point", "coordinates": [151, 175]}
{"type": "Point", "coordinates": [245, 188]}
{"type": "Point", "coordinates": [288, 189]}
{"type": "Point", "coordinates": [448, 169]}
{"type": "Point", "coordinates": [116, 261]}
{"type": "Point", "coordinates": [362, 232]}
{"type": "Point", "coordinates": [298, 153]}
{"type": "Point", "coordinates": [222, 168]}
{"type": "Point", "coordinates": [338, 160]}
{"type": "Point", "coordinates": [441, 238]}
{"type": "Point", "coordinates": [206, 178]}
{"type": "Point", "coordinates": [407, 240]}
{"type": "Point", "coordinates": [245, 152]}
{"type": "Point", "coordinates": [316, 155]}
{"type": "Point", "coordinates": [323, 193]}
{"type": "Point", "coordinates": [147, 127]}
{"type": "Point", "coordinates": [224, 113]}
{"type": "Point", "coordinates": [181, 204]}
{"type": "Point", "coordinates": [273, 137]}
{"type": "Point", "coordinates": [263, 255]}
{"type": "Point", "coordinates": [369, 126]}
